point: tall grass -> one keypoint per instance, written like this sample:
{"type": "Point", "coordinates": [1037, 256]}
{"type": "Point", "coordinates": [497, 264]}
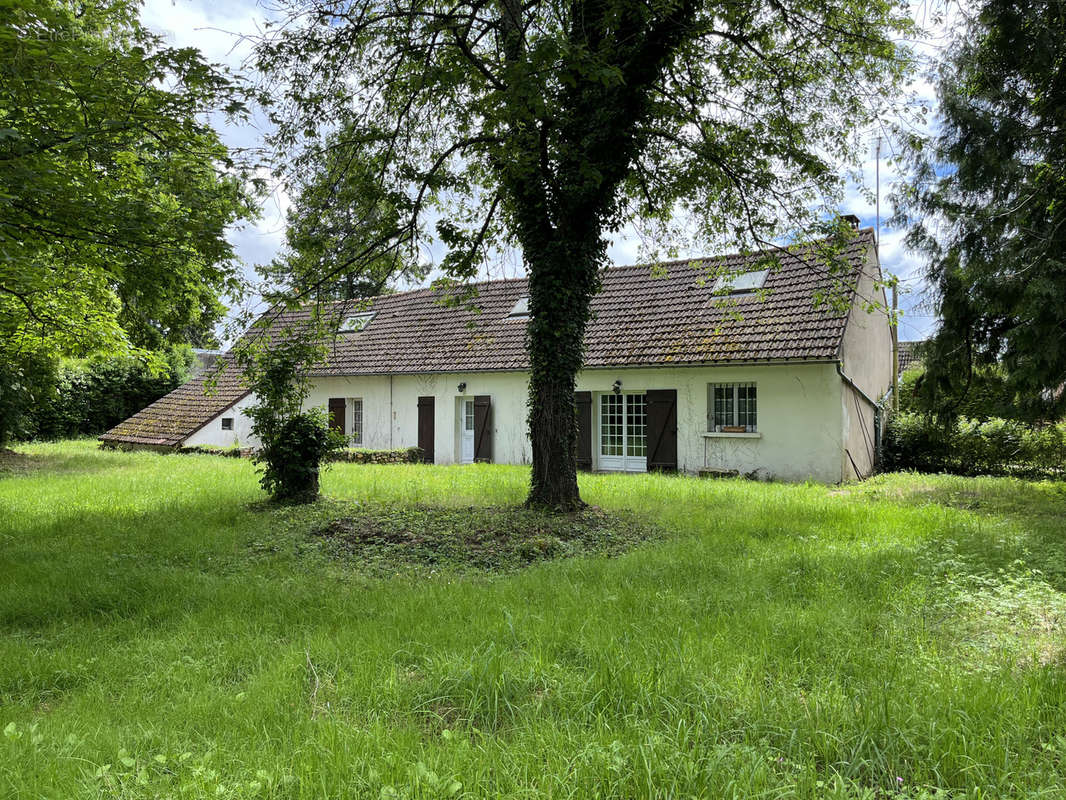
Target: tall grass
{"type": "Point", "coordinates": [902, 638]}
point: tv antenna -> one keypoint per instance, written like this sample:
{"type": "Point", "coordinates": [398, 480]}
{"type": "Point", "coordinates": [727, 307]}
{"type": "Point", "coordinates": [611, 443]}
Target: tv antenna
{"type": "Point", "coordinates": [894, 319]}
{"type": "Point", "coordinates": [877, 192]}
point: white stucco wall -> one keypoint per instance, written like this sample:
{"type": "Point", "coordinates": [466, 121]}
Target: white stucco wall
{"type": "Point", "coordinates": [800, 415]}
{"type": "Point", "coordinates": [212, 435]}
{"type": "Point", "coordinates": [866, 358]}
{"type": "Point", "coordinates": [799, 421]}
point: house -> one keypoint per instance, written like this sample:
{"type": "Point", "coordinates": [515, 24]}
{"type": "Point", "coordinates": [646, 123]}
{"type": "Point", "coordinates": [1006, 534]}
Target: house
{"type": "Point", "coordinates": [718, 365]}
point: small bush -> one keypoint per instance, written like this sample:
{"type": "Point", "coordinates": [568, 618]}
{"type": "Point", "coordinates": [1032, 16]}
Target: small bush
{"type": "Point", "coordinates": [290, 459]}
{"type": "Point", "coordinates": [294, 442]}
{"type": "Point", "coordinates": [973, 447]}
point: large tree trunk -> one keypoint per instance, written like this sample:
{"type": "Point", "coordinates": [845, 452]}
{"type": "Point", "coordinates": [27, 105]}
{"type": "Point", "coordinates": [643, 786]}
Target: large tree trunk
{"type": "Point", "coordinates": [553, 432]}
{"type": "Point", "coordinates": [562, 197]}
{"type": "Point", "coordinates": [563, 278]}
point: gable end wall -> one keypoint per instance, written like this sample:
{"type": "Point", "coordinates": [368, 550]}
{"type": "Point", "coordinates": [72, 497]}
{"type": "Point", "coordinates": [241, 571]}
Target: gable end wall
{"type": "Point", "coordinates": [866, 358]}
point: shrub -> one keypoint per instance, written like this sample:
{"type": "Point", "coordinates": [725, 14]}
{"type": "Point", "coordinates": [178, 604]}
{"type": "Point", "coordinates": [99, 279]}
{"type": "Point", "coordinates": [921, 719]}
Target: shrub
{"type": "Point", "coordinates": [291, 458]}
{"type": "Point", "coordinates": [359, 455]}
{"type": "Point", "coordinates": [293, 442]}
{"type": "Point", "coordinates": [25, 379]}
{"type": "Point", "coordinates": [974, 447]}
{"type": "Point", "coordinates": [987, 396]}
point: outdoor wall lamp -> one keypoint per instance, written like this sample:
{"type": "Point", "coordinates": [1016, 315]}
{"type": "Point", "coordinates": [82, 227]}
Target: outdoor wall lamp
{"type": "Point", "coordinates": [462, 387]}
{"type": "Point", "coordinates": [617, 388]}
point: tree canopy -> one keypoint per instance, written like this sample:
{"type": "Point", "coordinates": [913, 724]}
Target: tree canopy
{"type": "Point", "coordinates": [336, 210]}
{"type": "Point", "coordinates": [986, 202]}
{"type": "Point", "coordinates": [551, 125]}
{"type": "Point", "coordinates": [115, 191]}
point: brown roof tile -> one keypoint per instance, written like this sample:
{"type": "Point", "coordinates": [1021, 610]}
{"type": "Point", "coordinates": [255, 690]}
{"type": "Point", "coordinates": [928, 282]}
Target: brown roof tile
{"type": "Point", "coordinates": [644, 316]}
{"type": "Point", "coordinates": [908, 356]}
{"type": "Point", "coordinates": [172, 419]}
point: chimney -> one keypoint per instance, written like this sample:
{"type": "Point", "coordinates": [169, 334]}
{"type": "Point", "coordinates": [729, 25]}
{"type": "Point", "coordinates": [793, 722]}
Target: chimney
{"type": "Point", "coordinates": [852, 220]}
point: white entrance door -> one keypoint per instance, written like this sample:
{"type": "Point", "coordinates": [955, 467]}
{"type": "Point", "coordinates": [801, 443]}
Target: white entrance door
{"type": "Point", "coordinates": [623, 432]}
{"type": "Point", "coordinates": [466, 431]}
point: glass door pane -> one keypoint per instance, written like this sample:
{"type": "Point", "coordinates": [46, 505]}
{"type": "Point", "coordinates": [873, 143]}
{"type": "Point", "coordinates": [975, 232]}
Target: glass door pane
{"type": "Point", "coordinates": [636, 426]}
{"type": "Point", "coordinates": [468, 415]}
{"type": "Point", "coordinates": [611, 425]}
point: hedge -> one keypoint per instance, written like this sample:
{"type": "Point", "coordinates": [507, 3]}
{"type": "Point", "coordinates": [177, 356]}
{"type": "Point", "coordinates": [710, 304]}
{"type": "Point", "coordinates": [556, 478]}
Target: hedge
{"type": "Point", "coordinates": [972, 447]}
{"type": "Point", "coordinates": [353, 455]}
{"type": "Point", "coordinates": [93, 395]}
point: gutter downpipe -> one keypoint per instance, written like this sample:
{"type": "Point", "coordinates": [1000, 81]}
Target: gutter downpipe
{"type": "Point", "coordinates": [855, 386]}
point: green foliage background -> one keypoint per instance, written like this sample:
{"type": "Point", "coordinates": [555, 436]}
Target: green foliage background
{"type": "Point", "coordinates": [966, 446]}
{"type": "Point", "coordinates": [986, 203]}
{"type": "Point", "coordinates": [988, 394]}
{"type": "Point", "coordinates": [116, 192]}
{"type": "Point", "coordinates": [91, 395]}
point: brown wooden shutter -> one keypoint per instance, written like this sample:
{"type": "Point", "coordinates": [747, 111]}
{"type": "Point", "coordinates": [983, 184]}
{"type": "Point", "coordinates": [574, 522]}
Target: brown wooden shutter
{"type": "Point", "coordinates": [583, 401]}
{"type": "Point", "coordinates": [425, 428]}
{"type": "Point", "coordinates": [337, 417]}
{"type": "Point", "coordinates": [662, 429]}
{"type": "Point", "coordinates": [482, 428]}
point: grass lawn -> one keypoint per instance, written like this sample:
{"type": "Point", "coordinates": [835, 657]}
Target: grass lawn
{"type": "Point", "coordinates": [162, 635]}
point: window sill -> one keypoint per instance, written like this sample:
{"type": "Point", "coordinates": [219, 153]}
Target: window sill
{"type": "Point", "coordinates": [724, 435]}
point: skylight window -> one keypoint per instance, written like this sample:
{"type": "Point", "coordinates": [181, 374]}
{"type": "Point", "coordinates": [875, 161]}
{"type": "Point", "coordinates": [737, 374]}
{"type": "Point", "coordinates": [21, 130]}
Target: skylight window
{"type": "Point", "coordinates": [521, 308]}
{"type": "Point", "coordinates": [745, 283]}
{"type": "Point", "coordinates": [356, 322]}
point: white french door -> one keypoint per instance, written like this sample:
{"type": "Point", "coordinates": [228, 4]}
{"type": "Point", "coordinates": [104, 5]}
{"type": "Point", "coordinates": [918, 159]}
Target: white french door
{"type": "Point", "coordinates": [623, 432]}
{"type": "Point", "coordinates": [466, 432]}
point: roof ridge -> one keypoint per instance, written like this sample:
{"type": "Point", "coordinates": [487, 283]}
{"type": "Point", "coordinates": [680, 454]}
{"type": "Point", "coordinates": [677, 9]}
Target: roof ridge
{"type": "Point", "coordinates": [610, 268]}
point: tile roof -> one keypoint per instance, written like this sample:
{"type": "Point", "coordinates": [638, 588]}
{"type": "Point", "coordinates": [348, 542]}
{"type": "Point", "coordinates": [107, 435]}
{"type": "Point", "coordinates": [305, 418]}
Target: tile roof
{"type": "Point", "coordinates": [645, 315]}
{"type": "Point", "coordinates": [908, 356]}
{"type": "Point", "coordinates": [172, 419]}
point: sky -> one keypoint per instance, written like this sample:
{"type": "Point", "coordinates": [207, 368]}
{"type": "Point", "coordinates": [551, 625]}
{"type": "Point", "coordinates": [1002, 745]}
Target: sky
{"type": "Point", "coordinates": [218, 27]}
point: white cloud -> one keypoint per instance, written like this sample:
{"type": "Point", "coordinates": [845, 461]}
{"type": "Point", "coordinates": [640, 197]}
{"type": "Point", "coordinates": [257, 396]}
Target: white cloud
{"type": "Point", "coordinates": [216, 29]}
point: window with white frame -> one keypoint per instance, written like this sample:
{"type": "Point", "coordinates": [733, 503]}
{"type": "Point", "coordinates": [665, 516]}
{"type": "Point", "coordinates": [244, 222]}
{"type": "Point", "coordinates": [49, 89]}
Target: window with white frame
{"type": "Point", "coordinates": [732, 408]}
{"type": "Point", "coordinates": [357, 419]}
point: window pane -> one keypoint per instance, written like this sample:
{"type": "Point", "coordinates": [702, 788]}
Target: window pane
{"type": "Point", "coordinates": [723, 404]}
{"type": "Point", "coordinates": [746, 409]}
{"type": "Point", "coordinates": [357, 420]}
{"type": "Point", "coordinates": [636, 425]}
{"type": "Point", "coordinates": [611, 425]}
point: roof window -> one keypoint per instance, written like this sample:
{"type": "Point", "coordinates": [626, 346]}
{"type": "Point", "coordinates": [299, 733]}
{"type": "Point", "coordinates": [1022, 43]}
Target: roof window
{"type": "Point", "coordinates": [521, 308]}
{"type": "Point", "coordinates": [744, 283]}
{"type": "Point", "coordinates": [356, 322]}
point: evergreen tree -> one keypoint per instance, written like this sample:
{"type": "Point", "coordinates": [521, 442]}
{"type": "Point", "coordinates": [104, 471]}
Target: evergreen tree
{"type": "Point", "coordinates": [987, 204]}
